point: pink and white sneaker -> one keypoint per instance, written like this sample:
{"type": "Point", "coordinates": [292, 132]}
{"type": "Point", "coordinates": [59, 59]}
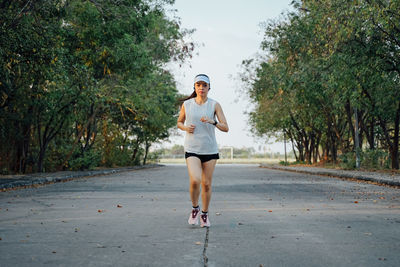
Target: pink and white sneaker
{"type": "Point", "coordinates": [194, 217]}
{"type": "Point", "coordinates": [204, 220]}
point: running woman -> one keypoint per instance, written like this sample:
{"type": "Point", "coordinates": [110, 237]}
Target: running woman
{"type": "Point", "coordinates": [197, 118]}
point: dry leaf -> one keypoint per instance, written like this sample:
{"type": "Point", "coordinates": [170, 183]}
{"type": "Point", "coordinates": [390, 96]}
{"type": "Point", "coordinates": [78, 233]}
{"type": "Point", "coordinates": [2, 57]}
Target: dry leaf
{"type": "Point", "coordinates": [270, 211]}
{"type": "Point", "coordinates": [356, 202]}
{"type": "Point", "coordinates": [198, 243]}
{"type": "Point", "coordinates": [100, 211]}
{"type": "Point", "coordinates": [119, 206]}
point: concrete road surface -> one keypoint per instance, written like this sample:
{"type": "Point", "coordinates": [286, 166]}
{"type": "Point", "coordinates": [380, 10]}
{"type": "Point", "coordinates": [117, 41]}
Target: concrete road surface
{"type": "Point", "coordinates": [259, 217]}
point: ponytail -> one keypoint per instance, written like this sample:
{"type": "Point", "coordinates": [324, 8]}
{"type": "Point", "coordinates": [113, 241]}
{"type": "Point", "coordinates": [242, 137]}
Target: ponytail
{"type": "Point", "coordinates": [193, 95]}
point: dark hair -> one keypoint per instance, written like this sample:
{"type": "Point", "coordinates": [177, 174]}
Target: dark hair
{"type": "Point", "coordinates": [193, 95]}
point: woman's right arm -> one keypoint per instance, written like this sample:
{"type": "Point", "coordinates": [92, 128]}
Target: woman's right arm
{"type": "Point", "coordinates": [181, 121]}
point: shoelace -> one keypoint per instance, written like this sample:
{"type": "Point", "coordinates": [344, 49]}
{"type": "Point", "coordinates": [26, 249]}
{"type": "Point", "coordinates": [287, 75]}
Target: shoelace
{"type": "Point", "coordinates": [194, 213]}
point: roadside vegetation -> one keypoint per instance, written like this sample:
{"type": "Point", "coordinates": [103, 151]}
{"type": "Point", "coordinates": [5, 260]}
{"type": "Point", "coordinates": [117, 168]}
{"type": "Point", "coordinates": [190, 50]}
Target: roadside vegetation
{"type": "Point", "coordinates": [84, 83]}
{"type": "Point", "coordinates": [329, 74]}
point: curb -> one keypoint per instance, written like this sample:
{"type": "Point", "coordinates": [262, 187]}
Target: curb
{"type": "Point", "coordinates": [384, 179]}
{"type": "Point", "coordinates": [33, 180]}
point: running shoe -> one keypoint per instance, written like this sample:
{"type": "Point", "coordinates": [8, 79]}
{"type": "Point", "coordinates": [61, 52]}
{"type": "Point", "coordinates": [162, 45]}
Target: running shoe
{"type": "Point", "coordinates": [194, 217]}
{"type": "Point", "coordinates": [204, 220]}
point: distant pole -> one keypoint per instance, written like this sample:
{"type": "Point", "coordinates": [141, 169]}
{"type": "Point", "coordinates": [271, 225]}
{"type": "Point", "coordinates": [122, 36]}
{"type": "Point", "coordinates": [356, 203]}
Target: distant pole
{"type": "Point", "coordinates": [284, 142]}
{"type": "Point", "coordinates": [357, 141]}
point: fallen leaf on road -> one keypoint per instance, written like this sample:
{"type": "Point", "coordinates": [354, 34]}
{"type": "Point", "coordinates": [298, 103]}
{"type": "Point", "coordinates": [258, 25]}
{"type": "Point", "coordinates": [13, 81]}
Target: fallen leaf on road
{"type": "Point", "coordinates": [382, 259]}
{"type": "Point", "coordinates": [54, 252]}
{"type": "Point", "coordinates": [198, 243]}
{"type": "Point", "coordinates": [100, 211]}
{"type": "Point", "coordinates": [270, 211]}
{"type": "Point", "coordinates": [217, 213]}
{"type": "Point", "coordinates": [240, 223]}
{"type": "Point", "coordinates": [356, 202]}
{"type": "Point", "coordinates": [119, 206]}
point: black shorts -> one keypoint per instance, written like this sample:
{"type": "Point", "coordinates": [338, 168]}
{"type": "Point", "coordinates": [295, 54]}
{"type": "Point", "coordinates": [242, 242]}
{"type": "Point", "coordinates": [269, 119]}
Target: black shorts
{"type": "Point", "coordinates": [203, 158]}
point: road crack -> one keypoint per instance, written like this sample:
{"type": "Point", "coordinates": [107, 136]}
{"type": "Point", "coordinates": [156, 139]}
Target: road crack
{"type": "Point", "coordinates": [205, 259]}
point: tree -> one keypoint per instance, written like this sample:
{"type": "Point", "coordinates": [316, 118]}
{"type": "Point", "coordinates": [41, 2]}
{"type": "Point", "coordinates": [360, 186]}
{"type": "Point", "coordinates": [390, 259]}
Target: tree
{"type": "Point", "coordinates": [325, 60]}
{"type": "Point", "coordinates": [69, 67]}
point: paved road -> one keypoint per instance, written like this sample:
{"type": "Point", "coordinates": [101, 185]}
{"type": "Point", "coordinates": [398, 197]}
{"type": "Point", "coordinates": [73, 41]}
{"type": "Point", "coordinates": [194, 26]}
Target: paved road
{"type": "Point", "coordinates": [259, 217]}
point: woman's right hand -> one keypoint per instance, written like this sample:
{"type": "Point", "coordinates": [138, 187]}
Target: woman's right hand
{"type": "Point", "coordinates": [190, 128]}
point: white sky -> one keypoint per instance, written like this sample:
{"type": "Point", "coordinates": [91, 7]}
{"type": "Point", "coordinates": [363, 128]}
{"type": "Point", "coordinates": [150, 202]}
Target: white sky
{"type": "Point", "coordinates": [230, 32]}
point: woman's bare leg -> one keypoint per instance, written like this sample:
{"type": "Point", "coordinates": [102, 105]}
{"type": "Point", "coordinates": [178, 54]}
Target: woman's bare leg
{"type": "Point", "coordinates": [206, 180]}
{"type": "Point", "coordinates": [195, 173]}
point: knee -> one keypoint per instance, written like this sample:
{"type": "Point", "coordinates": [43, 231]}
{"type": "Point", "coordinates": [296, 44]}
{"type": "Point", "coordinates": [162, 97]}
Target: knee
{"type": "Point", "coordinates": [206, 186]}
{"type": "Point", "coordinates": [194, 183]}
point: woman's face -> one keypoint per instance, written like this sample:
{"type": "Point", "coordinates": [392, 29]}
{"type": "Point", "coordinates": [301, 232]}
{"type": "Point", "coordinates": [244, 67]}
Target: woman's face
{"type": "Point", "coordinates": [201, 88]}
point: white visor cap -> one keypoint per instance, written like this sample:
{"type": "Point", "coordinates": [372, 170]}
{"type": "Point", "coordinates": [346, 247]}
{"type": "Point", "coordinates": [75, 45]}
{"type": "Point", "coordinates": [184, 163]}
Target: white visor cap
{"type": "Point", "coordinates": [201, 78]}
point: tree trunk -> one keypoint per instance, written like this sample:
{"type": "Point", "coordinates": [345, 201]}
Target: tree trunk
{"type": "Point", "coordinates": [147, 146]}
{"type": "Point", "coordinates": [293, 147]}
{"type": "Point", "coordinates": [395, 148]}
{"type": "Point", "coordinates": [315, 149]}
{"type": "Point", "coordinates": [42, 153]}
{"type": "Point", "coordinates": [136, 149]}
{"type": "Point", "coordinates": [371, 140]}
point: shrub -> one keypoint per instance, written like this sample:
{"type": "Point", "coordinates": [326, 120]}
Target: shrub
{"type": "Point", "coordinates": [348, 161]}
{"type": "Point", "coordinates": [369, 159]}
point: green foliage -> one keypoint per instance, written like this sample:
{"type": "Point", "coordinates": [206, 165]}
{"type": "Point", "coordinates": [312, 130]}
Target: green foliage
{"type": "Point", "coordinates": [87, 161]}
{"type": "Point", "coordinates": [83, 83]}
{"type": "Point", "coordinates": [348, 161]}
{"type": "Point", "coordinates": [369, 159]}
{"type": "Point", "coordinates": [375, 159]}
{"type": "Point", "coordinates": [322, 62]}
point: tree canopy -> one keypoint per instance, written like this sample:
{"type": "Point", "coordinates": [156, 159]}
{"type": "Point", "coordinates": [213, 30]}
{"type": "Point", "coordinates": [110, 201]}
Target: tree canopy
{"type": "Point", "coordinates": [324, 63]}
{"type": "Point", "coordinates": [84, 83]}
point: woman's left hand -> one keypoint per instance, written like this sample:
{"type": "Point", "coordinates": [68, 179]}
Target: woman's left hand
{"type": "Point", "coordinates": [206, 119]}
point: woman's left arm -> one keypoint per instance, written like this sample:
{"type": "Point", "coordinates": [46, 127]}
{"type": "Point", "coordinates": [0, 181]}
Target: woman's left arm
{"type": "Point", "coordinates": [222, 123]}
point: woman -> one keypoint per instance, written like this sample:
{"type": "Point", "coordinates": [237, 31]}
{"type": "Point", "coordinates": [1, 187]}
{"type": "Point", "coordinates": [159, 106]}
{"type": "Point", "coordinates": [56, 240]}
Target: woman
{"type": "Point", "coordinates": [197, 119]}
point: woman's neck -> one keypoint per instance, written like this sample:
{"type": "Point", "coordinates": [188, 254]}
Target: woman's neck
{"type": "Point", "coordinates": [201, 100]}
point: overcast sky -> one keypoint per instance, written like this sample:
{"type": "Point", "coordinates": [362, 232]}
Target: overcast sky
{"type": "Point", "coordinates": [230, 32]}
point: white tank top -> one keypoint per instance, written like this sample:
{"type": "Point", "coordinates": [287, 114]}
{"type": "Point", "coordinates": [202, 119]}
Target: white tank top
{"type": "Point", "coordinates": [202, 141]}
